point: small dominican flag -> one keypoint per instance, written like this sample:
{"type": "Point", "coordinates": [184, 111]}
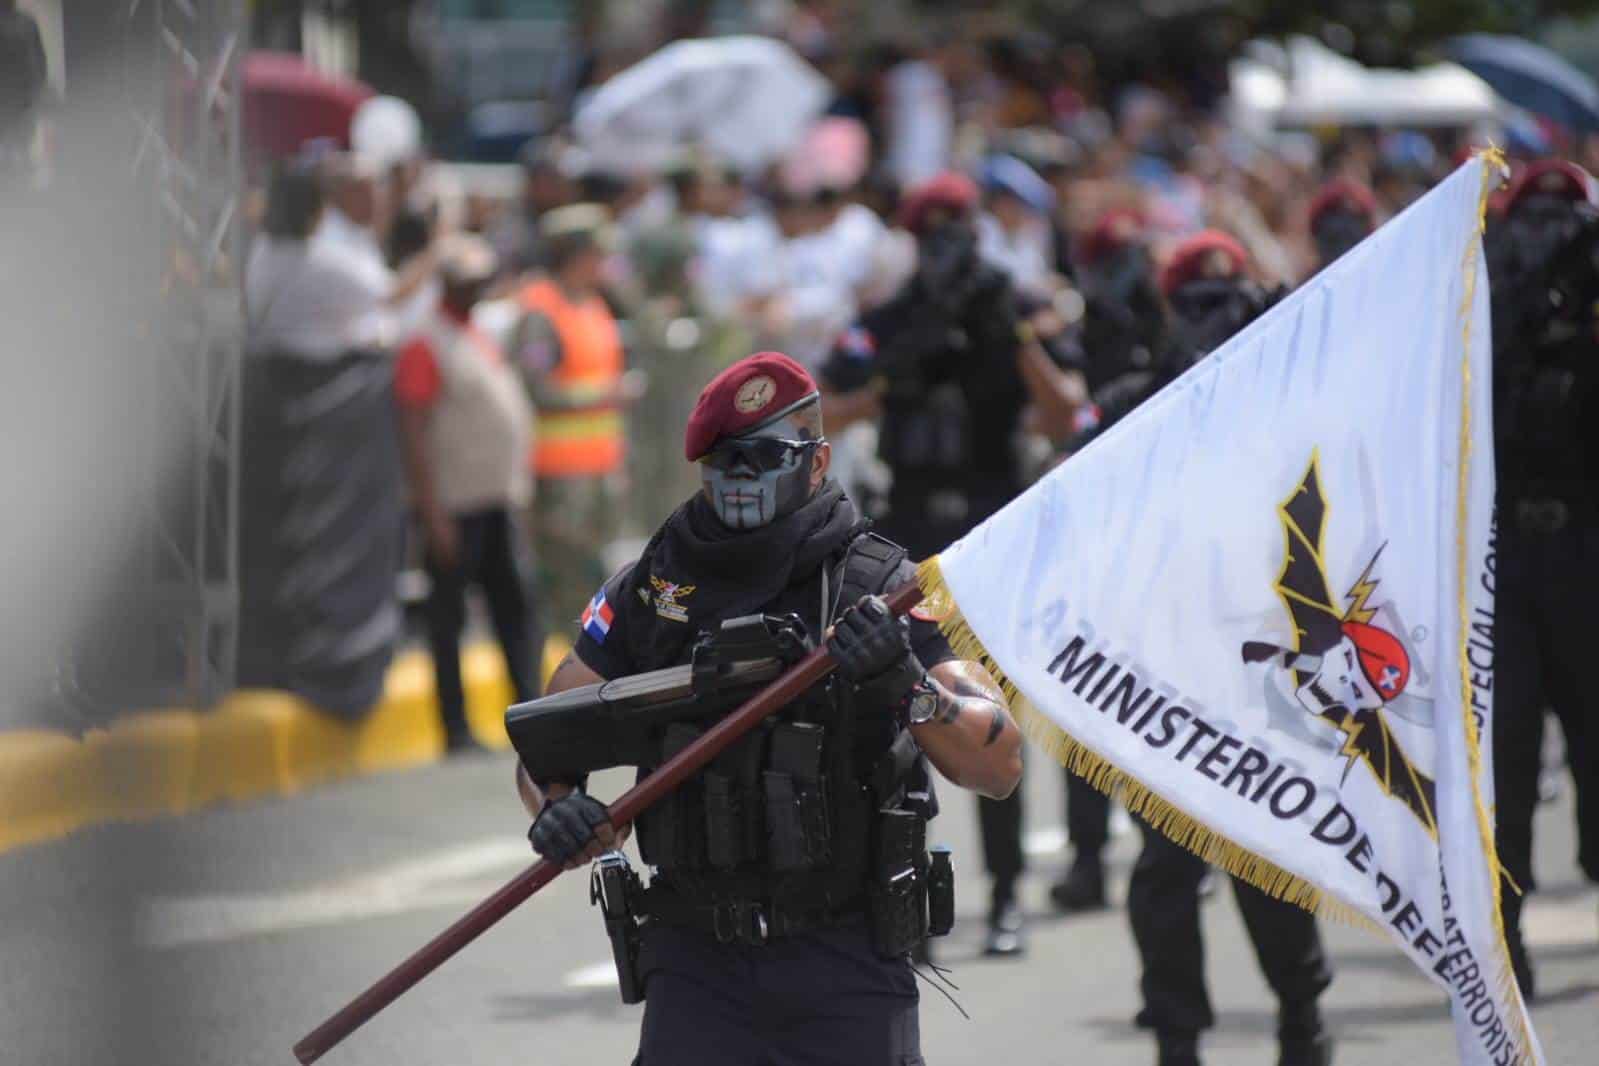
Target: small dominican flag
{"type": "Point", "coordinates": [597, 618]}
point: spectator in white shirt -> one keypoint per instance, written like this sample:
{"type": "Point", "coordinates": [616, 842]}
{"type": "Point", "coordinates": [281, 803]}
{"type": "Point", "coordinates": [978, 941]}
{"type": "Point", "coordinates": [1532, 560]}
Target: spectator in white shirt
{"type": "Point", "coordinates": [356, 212]}
{"type": "Point", "coordinates": [318, 299]}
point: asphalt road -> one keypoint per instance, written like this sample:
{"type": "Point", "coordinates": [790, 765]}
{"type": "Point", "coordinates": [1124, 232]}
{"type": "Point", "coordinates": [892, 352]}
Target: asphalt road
{"type": "Point", "coordinates": [222, 938]}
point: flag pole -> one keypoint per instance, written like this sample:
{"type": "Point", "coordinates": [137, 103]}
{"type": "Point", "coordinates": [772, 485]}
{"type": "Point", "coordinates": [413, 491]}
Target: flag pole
{"type": "Point", "coordinates": [384, 991]}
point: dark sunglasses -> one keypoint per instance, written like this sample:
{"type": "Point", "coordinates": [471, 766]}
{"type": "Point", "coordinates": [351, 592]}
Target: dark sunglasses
{"type": "Point", "coordinates": [761, 454]}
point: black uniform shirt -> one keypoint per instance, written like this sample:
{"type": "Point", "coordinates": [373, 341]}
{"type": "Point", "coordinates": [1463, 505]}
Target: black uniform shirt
{"type": "Point", "coordinates": [971, 449]}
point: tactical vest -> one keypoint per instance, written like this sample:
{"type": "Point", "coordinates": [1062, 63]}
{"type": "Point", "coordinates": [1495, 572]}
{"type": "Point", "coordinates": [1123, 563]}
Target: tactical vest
{"type": "Point", "coordinates": [784, 831]}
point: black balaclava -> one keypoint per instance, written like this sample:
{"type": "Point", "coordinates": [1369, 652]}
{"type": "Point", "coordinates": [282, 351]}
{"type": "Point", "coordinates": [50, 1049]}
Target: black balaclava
{"type": "Point", "coordinates": [746, 498]}
{"type": "Point", "coordinates": [1337, 231]}
{"type": "Point", "coordinates": [1124, 322]}
{"type": "Point", "coordinates": [946, 260]}
{"type": "Point", "coordinates": [1208, 311]}
{"type": "Point", "coordinates": [1538, 226]}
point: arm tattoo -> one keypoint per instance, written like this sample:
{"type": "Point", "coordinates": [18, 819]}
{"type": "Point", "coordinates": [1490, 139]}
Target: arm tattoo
{"type": "Point", "coordinates": [996, 725]}
{"type": "Point", "coordinates": [967, 690]}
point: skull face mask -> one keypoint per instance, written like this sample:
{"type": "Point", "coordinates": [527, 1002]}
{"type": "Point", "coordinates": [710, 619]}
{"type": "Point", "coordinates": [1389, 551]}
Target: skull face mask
{"type": "Point", "coordinates": [755, 479]}
{"type": "Point", "coordinates": [1340, 682]}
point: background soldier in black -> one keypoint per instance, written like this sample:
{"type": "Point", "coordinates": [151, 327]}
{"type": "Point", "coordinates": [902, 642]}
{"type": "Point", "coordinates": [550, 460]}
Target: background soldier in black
{"type": "Point", "coordinates": [1124, 332]}
{"type": "Point", "coordinates": [1544, 267]}
{"type": "Point", "coordinates": [1124, 317]}
{"type": "Point", "coordinates": [1342, 214]}
{"type": "Point", "coordinates": [1206, 286]}
{"type": "Point", "coordinates": [791, 875]}
{"type": "Point", "coordinates": [950, 365]}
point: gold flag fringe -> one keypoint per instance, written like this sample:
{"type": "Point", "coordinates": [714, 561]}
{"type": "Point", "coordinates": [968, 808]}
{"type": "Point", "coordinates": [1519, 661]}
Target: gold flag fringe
{"type": "Point", "coordinates": [1168, 819]}
{"type": "Point", "coordinates": [1493, 172]}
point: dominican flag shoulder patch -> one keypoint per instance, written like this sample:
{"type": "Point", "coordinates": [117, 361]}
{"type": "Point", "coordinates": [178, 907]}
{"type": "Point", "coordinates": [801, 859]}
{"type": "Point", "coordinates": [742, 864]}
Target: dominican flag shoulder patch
{"type": "Point", "coordinates": [597, 618]}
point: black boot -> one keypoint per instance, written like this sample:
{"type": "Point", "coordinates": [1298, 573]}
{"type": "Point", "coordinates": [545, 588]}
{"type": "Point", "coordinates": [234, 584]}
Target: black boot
{"type": "Point", "coordinates": [1006, 930]}
{"type": "Point", "coordinates": [1176, 1049]}
{"type": "Point", "coordinates": [1302, 1037]}
{"type": "Point", "coordinates": [1520, 962]}
{"type": "Point", "coordinates": [1083, 887]}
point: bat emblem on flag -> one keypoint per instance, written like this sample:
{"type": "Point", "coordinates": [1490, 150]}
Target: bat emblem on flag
{"type": "Point", "coordinates": [1345, 670]}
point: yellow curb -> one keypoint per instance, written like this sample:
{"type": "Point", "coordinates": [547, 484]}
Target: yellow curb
{"type": "Point", "coordinates": [488, 693]}
{"type": "Point", "coordinates": [404, 729]}
{"type": "Point", "coordinates": [146, 763]}
{"type": "Point", "coordinates": [49, 786]}
{"type": "Point", "coordinates": [244, 747]}
{"type": "Point", "coordinates": [320, 747]}
{"type": "Point", "coordinates": [255, 743]}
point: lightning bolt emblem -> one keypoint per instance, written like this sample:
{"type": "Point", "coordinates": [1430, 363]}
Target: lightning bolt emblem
{"type": "Point", "coordinates": [1352, 730]}
{"type": "Point", "coordinates": [1361, 591]}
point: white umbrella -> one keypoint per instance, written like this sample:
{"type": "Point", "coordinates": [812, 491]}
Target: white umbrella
{"type": "Point", "coordinates": [743, 100]}
{"type": "Point", "coordinates": [1327, 87]}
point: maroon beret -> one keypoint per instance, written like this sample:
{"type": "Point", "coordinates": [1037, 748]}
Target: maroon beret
{"type": "Point", "coordinates": [1552, 177]}
{"type": "Point", "coordinates": [950, 190]}
{"type": "Point", "coordinates": [1341, 194]}
{"type": "Point", "coordinates": [1117, 227]}
{"type": "Point", "coordinates": [1188, 261]}
{"type": "Point", "coordinates": [746, 396]}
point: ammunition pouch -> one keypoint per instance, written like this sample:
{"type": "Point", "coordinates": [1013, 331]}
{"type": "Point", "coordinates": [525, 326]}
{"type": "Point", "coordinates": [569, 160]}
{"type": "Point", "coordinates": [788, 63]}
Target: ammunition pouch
{"type": "Point", "coordinates": [764, 803]}
{"type": "Point", "coordinates": [797, 813]}
{"type": "Point", "coordinates": [897, 895]}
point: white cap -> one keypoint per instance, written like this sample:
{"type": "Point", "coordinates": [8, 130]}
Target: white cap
{"type": "Point", "coordinates": [386, 130]}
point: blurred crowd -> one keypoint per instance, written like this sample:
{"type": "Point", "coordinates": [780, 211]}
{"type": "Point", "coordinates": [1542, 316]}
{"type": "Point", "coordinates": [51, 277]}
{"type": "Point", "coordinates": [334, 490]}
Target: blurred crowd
{"type": "Point", "coordinates": [612, 291]}
{"type": "Point", "coordinates": [653, 278]}
{"type": "Point", "coordinates": [984, 252]}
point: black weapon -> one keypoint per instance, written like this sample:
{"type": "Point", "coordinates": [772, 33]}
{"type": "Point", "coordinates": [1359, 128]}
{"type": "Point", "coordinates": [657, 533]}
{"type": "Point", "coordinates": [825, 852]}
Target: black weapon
{"type": "Point", "coordinates": [620, 722]}
{"type": "Point", "coordinates": [617, 889]}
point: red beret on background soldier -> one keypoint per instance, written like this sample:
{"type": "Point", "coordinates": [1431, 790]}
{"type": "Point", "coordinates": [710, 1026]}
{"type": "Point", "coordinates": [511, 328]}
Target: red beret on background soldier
{"type": "Point", "coordinates": [1117, 228]}
{"type": "Point", "coordinates": [1342, 214]}
{"type": "Point", "coordinates": [772, 926]}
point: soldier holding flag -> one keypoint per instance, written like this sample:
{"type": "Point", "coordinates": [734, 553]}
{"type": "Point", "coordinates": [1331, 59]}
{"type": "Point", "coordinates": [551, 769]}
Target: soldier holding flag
{"type": "Point", "coordinates": [792, 878]}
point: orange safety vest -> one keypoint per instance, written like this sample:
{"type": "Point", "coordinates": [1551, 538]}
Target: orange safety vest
{"type": "Point", "coordinates": [584, 438]}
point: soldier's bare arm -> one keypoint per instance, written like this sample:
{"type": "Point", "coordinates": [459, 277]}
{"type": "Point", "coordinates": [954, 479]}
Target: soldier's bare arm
{"type": "Point", "coordinates": [971, 738]}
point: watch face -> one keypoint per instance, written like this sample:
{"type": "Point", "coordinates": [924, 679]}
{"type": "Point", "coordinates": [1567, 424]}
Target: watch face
{"type": "Point", "coordinates": [922, 707]}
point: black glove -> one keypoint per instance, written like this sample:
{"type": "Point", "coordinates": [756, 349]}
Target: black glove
{"type": "Point", "coordinates": [565, 827]}
{"type": "Point", "coordinates": [873, 650]}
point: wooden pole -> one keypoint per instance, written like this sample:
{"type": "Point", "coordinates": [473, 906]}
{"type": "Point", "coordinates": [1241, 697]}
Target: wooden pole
{"type": "Point", "coordinates": [780, 693]}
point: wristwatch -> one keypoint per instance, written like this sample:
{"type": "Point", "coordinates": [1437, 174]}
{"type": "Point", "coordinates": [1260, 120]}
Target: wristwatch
{"type": "Point", "coordinates": [921, 703]}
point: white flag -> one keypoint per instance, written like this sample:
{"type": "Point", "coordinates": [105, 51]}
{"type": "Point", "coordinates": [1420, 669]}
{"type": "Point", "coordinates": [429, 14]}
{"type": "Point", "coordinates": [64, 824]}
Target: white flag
{"type": "Point", "coordinates": [1262, 606]}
